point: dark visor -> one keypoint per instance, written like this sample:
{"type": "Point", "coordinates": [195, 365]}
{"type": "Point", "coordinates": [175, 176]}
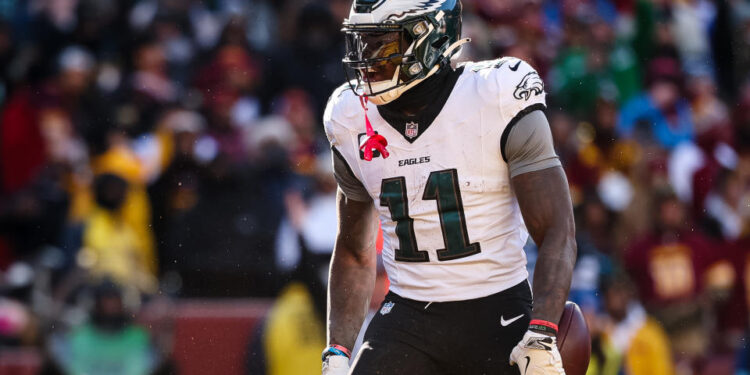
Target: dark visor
{"type": "Point", "coordinates": [374, 53]}
{"type": "Point", "coordinates": [364, 49]}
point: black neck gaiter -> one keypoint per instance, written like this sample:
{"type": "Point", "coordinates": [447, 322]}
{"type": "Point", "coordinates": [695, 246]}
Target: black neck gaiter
{"type": "Point", "coordinates": [422, 103]}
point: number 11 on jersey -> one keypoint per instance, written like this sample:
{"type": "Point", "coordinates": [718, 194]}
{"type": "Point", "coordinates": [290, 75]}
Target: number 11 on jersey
{"type": "Point", "coordinates": [442, 186]}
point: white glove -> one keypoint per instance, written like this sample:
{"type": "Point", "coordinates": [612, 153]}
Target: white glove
{"type": "Point", "coordinates": [537, 354]}
{"type": "Point", "coordinates": [336, 365]}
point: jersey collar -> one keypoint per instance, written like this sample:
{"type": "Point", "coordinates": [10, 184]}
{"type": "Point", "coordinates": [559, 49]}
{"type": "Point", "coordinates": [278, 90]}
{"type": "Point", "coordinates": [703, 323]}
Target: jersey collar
{"type": "Point", "coordinates": [434, 91]}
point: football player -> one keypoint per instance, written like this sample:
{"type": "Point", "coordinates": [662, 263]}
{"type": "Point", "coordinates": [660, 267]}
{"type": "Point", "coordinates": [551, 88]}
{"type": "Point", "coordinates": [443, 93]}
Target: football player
{"type": "Point", "coordinates": [458, 166]}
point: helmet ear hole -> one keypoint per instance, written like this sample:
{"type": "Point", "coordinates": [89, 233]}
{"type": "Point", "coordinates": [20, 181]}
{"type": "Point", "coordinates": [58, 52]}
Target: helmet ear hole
{"type": "Point", "coordinates": [439, 43]}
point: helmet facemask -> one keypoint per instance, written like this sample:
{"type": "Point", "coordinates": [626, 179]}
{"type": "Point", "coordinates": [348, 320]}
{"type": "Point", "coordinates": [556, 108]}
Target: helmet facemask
{"type": "Point", "coordinates": [376, 58]}
{"type": "Point", "coordinates": [384, 59]}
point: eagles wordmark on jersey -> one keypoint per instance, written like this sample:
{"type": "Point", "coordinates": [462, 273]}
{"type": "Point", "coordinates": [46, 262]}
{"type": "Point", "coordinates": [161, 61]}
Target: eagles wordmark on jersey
{"type": "Point", "coordinates": [451, 224]}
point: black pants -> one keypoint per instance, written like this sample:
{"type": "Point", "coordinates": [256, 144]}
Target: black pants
{"type": "Point", "coordinates": [445, 338]}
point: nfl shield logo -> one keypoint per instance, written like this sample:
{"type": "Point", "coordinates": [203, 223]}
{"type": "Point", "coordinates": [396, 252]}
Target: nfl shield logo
{"type": "Point", "coordinates": [412, 129]}
{"type": "Point", "coordinates": [386, 308]}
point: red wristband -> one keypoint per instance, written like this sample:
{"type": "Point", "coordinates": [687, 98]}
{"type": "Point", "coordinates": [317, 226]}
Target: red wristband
{"type": "Point", "coordinates": [343, 349]}
{"type": "Point", "coordinates": [543, 323]}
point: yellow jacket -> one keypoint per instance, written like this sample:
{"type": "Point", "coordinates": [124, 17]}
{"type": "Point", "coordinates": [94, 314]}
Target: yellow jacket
{"type": "Point", "coordinates": [135, 211]}
{"type": "Point", "coordinates": [647, 351]}
{"type": "Point", "coordinates": [294, 335]}
{"type": "Point", "coordinates": [112, 248]}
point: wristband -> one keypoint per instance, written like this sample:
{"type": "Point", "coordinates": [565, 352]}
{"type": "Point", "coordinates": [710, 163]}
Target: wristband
{"type": "Point", "coordinates": [543, 326]}
{"type": "Point", "coordinates": [335, 350]}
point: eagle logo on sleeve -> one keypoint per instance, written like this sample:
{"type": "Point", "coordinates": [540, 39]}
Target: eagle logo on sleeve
{"type": "Point", "coordinates": [531, 84]}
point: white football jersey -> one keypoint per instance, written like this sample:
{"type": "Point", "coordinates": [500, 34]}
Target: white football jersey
{"type": "Point", "coordinates": [452, 227]}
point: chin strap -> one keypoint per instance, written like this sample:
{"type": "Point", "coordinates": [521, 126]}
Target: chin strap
{"type": "Point", "coordinates": [374, 140]}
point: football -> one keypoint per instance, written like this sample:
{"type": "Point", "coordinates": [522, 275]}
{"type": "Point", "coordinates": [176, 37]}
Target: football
{"type": "Point", "coordinates": [573, 340]}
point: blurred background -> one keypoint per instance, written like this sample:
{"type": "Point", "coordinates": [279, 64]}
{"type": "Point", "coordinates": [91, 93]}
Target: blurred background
{"type": "Point", "coordinates": [167, 203]}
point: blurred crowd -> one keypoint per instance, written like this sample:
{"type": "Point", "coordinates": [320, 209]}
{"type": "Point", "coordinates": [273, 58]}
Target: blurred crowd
{"type": "Point", "coordinates": [152, 150]}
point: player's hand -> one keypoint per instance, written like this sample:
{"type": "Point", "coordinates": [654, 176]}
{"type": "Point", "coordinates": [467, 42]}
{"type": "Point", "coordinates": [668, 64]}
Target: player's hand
{"type": "Point", "coordinates": [537, 354]}
{"type": "Point", "coordinates": [336, 365]}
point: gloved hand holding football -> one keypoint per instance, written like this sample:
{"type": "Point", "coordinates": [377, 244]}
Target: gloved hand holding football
{"type": "Point", "coordinates": [537, 354]}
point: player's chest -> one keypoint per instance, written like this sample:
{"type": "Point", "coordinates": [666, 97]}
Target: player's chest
{"type": "Point", "coordinates": [462, 149]}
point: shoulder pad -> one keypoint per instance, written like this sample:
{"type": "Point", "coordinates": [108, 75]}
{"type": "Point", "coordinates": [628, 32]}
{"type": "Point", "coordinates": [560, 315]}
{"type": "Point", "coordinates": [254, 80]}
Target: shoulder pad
{"type": "Point", "coordinates": [485, 74]}
{"type": "Point", "coordinates": [341, 111]}
{"type": "Point", "coordinates": [342, 104]}
{"type": "Point", "coordinates": [508, 81]}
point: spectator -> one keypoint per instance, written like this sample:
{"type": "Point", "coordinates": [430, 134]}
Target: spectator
{"type": "Point", "coordinates": [668, 266]}
{"type": "Point", "coordinates": [631, 341]}
{"type": "Point", "coordinates": [709, 112]}
{"type": "Point", "coordinates": [312, 60]}
{"type": "Point", "coordinates": [594, 65]}
{"type": "Point", "coordinates": [660, 115]}
{"type": "Point", "coordinates": [297, 108]}
{"type": "Point", "coordinates": [18, 325]}
{"type": "Point", "coordinates": [110, 343]}
{"type": "Point", "coordinates": [723, 208]}
{"type": "Point", "coordinates": [600, 151]}
{"type": "Point", "coordinates": [308, 222]}
{"type": "Point", "coordinates": [184, 152]}
{"type": "Point", "coordinates": [732, 311]}
{"type": "Point", "coordinates": [691, 20]}
{"type": "Point", "coordinates": [111, 246]}
{"type": "Point", "coordinates": [228, 84]}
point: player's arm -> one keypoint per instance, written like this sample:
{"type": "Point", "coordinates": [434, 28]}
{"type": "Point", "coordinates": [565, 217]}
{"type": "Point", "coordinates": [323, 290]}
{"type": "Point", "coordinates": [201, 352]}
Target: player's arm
{"type": "Point", "coordinates": [352, 276]}
{"type": "Point", "coordinates": [541, 188]}
{"type": "Point", "coordinates": [353, 266]}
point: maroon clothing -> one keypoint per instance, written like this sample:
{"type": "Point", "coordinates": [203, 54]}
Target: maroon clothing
{"type": "Point", "coordinates": [22, 148]}
{"type": "Point", "coordinates": [704, 180]}
{"type": "Point", "coordinates": [670, 272]}
{"type": "Point", "coordinates": [733, 314]}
